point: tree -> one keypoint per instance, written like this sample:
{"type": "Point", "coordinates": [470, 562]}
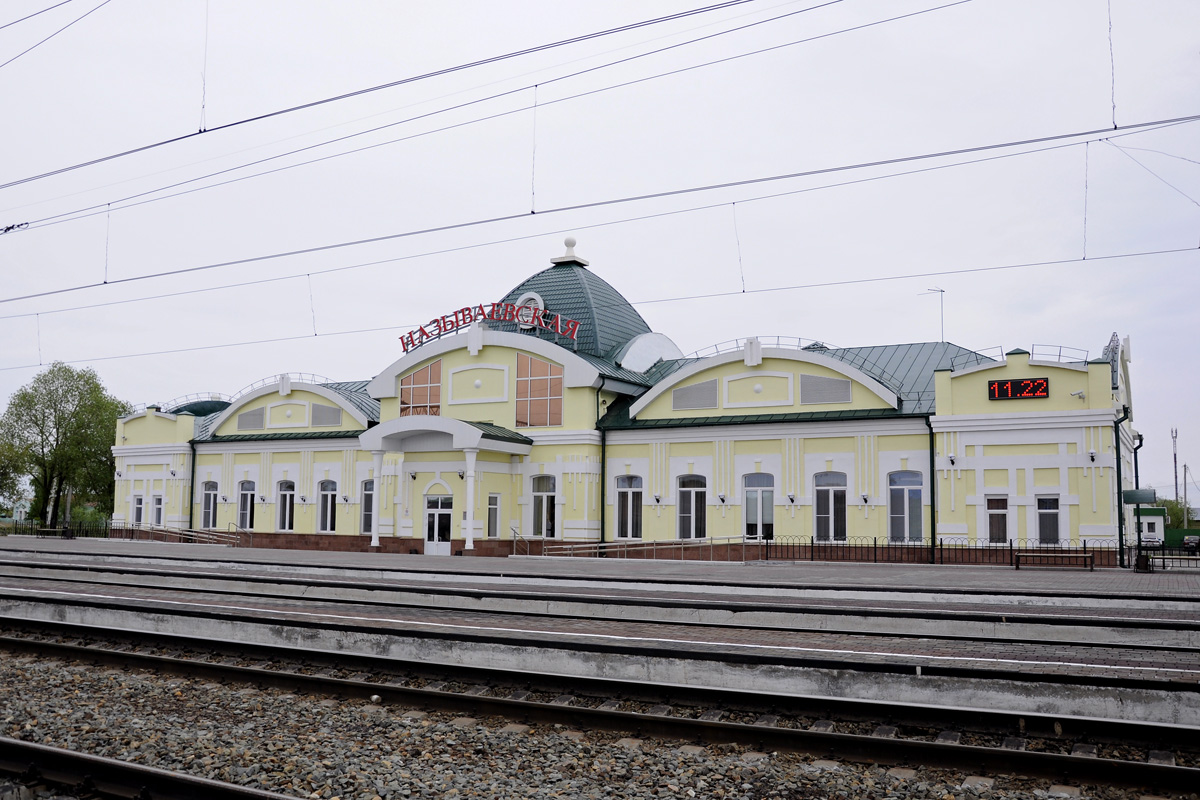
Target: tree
{"type": "Point", "coordinates": [62, 425]}
{"type": "Point", "coordinates": [1175, 513]}
{"type": "Point", "coordinates": [13, 469]}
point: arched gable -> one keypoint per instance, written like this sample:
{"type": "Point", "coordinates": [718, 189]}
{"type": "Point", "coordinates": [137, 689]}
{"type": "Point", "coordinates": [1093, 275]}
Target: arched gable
{"type": "Point", "coordinates": [784, 378]}
{"type": "Point", "coordinates": [292, 388]}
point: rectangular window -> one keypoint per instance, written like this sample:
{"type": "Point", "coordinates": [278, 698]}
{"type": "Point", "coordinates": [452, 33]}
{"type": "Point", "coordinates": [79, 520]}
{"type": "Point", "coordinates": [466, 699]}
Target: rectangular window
{"type": "Point", "coordinates": [287, 511]}
{"type": "Point", "coordinates": [137, 510]}
{"type": "Point", "coordinates": [158, 510]}
{"type": "Point", "coordinates": [539, 392]}
{"type": "Point", "coordinates": [1047, 508]}
{"type": "Point", "coordinates": [209, 517]}
{"type": "Point", "coordinates": [421, 392]}
{"type": "Point", "coordinates": [493, 516]}
{"type": "Point", "coordinates": [997, 520]}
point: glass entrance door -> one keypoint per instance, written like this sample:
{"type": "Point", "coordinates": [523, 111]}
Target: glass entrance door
{"type": "Point", "coordinates": [439, 509]}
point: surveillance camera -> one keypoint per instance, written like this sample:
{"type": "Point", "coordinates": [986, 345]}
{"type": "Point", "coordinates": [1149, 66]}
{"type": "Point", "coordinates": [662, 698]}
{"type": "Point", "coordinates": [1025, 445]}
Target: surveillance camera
{"type": "Point", "coordinates": [1079, 394]}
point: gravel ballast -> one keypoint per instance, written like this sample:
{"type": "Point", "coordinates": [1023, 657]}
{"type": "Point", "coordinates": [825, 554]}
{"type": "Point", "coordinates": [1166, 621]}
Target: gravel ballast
{"type": "Point", "coordinates": [323, 748]}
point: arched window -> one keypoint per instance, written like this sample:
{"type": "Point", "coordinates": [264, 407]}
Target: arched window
{"type": "Point", "coordinates": [327, 507]}
{"type": "Point", "coordinates": [539, 392]}
{"type": "Point", "coordinates": [246, 505]}
{"type": "Point", "coordinates": [287, 505]}
{"type": "Point", "coordinates": [629, 507]}
{"type": "Point", "coordinates": [904, 506]}
{"type": "Point", "coordinates": [208, 519]}
{"type": "Point", "coordinates": [759, 501]}
{"type": "Point", "coordinates": [691, 507]}
{"type": "Point", "coordinates": [421, 391]}
{"type": "Point", "coordinates": [368, 504]}
{"type": "Point", "coordinates": [830, 491]}
{"type": "Point", "coordinates": [543, 506]}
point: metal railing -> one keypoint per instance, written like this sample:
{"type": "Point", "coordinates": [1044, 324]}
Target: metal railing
{"type": "Point", "coordinates": [985, 356]}
{"type": "Point", "coordinates": [142, 531]}
{"type": "Point", "coordinates": [948, 550]}
{"type": "Point", "coordinates": [1058, 353]}
{"type": "Point", "coordinates": [719, 548]}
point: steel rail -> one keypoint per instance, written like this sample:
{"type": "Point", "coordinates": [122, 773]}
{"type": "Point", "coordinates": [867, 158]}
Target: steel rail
{"type": "Point", "coordinates": [83, 773]}
{"type": "Point", "coordinates": [841, 745]}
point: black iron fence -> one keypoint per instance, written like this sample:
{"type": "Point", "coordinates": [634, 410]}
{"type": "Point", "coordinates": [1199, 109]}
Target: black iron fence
{"type": "Point", "coordinates": [948, 550]}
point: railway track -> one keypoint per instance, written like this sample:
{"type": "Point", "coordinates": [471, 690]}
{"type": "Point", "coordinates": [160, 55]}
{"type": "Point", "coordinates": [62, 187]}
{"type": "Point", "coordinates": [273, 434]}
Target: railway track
{"type": "Point", "coordinates": [1062, 748]}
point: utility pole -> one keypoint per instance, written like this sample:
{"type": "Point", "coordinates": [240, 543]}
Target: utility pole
{"type": "Point", "coordinates": [1185, 505]}
{"type": "Point", "coordinates": [1175, 457]}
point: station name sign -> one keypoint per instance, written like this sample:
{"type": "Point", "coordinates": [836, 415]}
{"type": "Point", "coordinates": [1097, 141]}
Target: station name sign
{"type": "Point", "coordinates": [527, 316]}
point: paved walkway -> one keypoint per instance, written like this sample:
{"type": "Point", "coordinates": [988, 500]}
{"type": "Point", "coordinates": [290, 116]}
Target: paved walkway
{"type": "Point", "coordinates": [899, 577]}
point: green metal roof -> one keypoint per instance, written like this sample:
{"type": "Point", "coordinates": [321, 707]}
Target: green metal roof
{"type": "Point", "coordinates": [606, 319]}
{"type": "Point", "coordinates": [496, 433]}
{"type": "Point", "coordinates": [266, 437]}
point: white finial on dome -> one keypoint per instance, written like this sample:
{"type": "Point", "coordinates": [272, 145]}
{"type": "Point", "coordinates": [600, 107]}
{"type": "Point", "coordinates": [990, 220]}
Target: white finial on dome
{"type": "Point", "coordinates": [569, 257]}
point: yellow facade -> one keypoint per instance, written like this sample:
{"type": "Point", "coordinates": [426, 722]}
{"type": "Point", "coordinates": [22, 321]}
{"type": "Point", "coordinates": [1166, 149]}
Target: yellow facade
{"type": "Point", "coordinates": [503, 433]}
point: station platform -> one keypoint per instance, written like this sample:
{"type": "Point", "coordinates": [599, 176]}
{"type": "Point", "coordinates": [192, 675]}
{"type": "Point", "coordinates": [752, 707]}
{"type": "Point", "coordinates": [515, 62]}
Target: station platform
{"type": "Point", "coordinates": [1039, 580]}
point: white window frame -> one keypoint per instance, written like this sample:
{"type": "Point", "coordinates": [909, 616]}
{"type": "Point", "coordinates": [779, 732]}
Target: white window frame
{"type": "Point", "coordinates": [493, 516]}
{"type": "Point", "coordinates": [828, 496]}
{"type": "Point", "coordinates": [993, 513]}
{"type": "Point", "coordinates": [285, 518]}
{"type": "Point", "coordinates": [907, 492]}
{"type": "Point", "coordinates": [545, 521]}
{"type": "Point", "coordinates": [245, 517]}
{"type": "Point", "coordinates": [138, 509]}
{"type": "Point", "coordinates": [367, 506]}
{"type": "Point", "coordinates": [758, 503]}
{"type": "Point", "coordinates": [629, 506]}
{"type": "Point", "coordinates": [208, 505]}
{"type": "Point", "coordinates": [156, 510]}
{"type": "Point", "coordinates": [693, 523]}
{"type": "Point", "coordinates": [327, 507]}
{"type": "Point", "coordinates": [1044, 516]}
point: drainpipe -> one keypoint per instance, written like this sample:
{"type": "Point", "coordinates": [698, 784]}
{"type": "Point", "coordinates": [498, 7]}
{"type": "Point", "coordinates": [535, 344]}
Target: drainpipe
{"type": "Point", "coordinates": [192, 487]}
{"type": "Point", "coordinates": [603, 465]}
{"type": "Point", "coordinates": [1137, 484]}
{"type": "Point", "coordinates": [932, 496]}
{"type": "Point", "coordinates": [1120, 506]}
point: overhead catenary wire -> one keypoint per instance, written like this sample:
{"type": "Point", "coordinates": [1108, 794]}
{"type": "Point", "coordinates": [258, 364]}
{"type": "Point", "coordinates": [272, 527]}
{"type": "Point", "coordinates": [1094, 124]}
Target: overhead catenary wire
{"type": "Point", "coordinates": [569, 229]}
{"type": "Point", "coordinates": [675, 299]}
{"type": "Point", "coordinates": [153, 195]}
{"type": "Point", "coordinates": [602, 204]}
{"type": "Point", "coordinates": [56, 33]}
{"type": "Point", "coordinates": [377, 88]}
{"type": "Point", "coordinates": [34, 14]}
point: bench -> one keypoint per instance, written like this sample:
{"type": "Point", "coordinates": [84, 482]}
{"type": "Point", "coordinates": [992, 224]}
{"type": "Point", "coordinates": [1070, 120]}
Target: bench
{"type": "Point", "coordinates": [1088, 559]}
{"type": "Point", "coordinates": [1188, 562]}
{"type": "Point", "coordinates": [65, 533]}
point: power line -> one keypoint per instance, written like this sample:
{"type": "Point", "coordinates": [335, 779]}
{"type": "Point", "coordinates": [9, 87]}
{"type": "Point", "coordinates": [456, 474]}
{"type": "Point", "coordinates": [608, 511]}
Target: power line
{"type": "Point", "coordinates": [380, 87]}
{"type": "Point", "coordinates": [603, 204]}
{"type": "Point", "coordinates": [682, 298]}
{"type": "Point", "coordinates": [51, 36]}
{"type": "Point", "coordinates": [34, 14]}
{"type": "Point", "coordinates": [89, 211]}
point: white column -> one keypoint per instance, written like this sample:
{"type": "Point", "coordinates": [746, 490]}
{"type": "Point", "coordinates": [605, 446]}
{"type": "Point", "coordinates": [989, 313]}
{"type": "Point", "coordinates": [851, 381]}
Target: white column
{"type": "Point", "coordinates": [470, 519]}
{"type": "Point", "coordinates": [377, 496]}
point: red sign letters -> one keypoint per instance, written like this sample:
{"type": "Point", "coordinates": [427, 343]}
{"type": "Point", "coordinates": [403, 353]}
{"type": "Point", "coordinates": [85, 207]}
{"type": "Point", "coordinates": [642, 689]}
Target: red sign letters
{"type": "Point", "coordinates": [500, 312]}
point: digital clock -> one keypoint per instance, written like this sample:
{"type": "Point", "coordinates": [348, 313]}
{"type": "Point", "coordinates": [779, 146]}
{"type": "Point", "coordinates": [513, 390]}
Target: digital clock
{"type": "Point", "coordinates": [1018, 388]}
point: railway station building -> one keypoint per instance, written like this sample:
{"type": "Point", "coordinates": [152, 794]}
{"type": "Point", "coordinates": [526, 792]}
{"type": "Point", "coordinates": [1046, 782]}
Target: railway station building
{"type": "Point", "coordinates": [555, 415]}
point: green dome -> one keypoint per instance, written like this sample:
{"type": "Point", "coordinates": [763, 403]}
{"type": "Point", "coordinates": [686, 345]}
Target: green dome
{"type": "Point", "coordinates": [607, 322]}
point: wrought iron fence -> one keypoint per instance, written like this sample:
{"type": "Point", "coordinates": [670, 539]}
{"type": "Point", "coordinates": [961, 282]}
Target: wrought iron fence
{"type": "Point", "coordinates": [140, 531]}
{"type": "Point", "coordinates": [948, 550]}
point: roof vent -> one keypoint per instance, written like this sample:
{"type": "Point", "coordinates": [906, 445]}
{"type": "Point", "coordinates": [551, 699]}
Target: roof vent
{"type": "Point", "coordinates": [569, 257]}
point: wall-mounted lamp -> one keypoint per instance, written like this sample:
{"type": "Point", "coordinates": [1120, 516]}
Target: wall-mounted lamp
{"type": "Point", "coordinates": [224, 499]}
{"type": "Point", "coordinates": [657, 498]}
{"type": "Point", "coordinates": [951, 457]}
{"type": "Point", "coordinates": [721, 497]}
{"type": "Point", "coordinates": [866, 497]}
{"type": "Point", "coordinates": [303, 499]}
{"type": "Point", "coordinates": [118, 473]}
{"type": "Point", "coordinates": [1092, 455]}
{"type": "Point", "coordinates": [791, 498]}
{"type": "Point", "coordinates": [172, 473]}
{"type": "Point", "coordinates": [345, 498]}
{"type": "Point", "coordinates": [461, 474]}
{"type": "Point", "coordinates": [412, 475]}
{"type": "Point", "coordinates": [262, 498]}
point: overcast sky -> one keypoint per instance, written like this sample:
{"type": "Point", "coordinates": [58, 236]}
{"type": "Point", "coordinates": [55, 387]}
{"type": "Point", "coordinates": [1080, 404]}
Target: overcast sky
{"type": "Point", "coordinates": [758, 90]}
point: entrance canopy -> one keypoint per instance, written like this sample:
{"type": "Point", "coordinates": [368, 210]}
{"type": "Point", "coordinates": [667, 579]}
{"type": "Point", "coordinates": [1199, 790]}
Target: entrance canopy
{"type": "Point", "coordinates": [423, 434]}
